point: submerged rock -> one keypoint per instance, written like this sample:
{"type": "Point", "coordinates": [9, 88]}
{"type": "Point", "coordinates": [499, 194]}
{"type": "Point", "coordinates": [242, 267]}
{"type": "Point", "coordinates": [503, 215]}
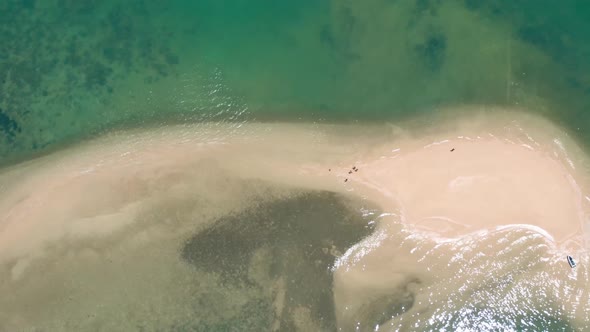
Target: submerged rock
{"type": "Point", "coordinates": [288, 245]}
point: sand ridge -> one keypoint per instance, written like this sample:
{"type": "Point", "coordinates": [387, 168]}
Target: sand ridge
{"type": "Point", "coordinates": [495, 176]}
{"type": "Point", "coordinates": [511, 177]}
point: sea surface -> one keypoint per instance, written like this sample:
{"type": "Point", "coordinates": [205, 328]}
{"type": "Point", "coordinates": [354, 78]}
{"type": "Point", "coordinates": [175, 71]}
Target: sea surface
{"type": "Point", "coordinates": [74, 70]}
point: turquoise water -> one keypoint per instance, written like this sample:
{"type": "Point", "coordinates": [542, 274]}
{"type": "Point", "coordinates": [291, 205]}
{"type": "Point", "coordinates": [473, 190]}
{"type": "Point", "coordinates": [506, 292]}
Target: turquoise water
{"type": "Point", "coordinates": [71, 70]}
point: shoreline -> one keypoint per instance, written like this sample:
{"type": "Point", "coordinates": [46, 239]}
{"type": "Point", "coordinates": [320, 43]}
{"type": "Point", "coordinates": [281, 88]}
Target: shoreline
{"type": "Point", "coordinates": [412, 172]}
{"type": "Point", "coordinates": [498, 193]}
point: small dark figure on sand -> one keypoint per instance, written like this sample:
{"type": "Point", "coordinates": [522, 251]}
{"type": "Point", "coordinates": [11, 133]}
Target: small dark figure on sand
{"type": "Point", "coordinates": [453, 149]}
{"type": "Point", "coordinates": [345, 180]}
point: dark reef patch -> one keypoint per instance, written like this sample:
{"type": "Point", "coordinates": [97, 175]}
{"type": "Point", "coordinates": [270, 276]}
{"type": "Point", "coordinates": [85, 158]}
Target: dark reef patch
{"type": "Point", "coordinates": [299, 239]}
{"type": "Point", "coordinates": [60, 54]}
{"type": "Point", "coordinates": [427, 6]}
{"type": "Point", "coordinates": [8, 126]}
{"type": "Point", "coordinates": [432, 50]}
{"type": "Point", "coordinates": [339, 36]}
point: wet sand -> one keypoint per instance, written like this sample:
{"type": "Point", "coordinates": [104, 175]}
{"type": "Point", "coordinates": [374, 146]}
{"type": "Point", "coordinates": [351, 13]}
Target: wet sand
{"type": "Point", "coordinates": [512, 192]}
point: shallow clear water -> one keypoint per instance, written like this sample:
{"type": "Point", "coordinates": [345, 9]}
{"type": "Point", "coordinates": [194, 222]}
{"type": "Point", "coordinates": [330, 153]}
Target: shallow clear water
{"type": "Point", "coordinates": [71, 70]}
